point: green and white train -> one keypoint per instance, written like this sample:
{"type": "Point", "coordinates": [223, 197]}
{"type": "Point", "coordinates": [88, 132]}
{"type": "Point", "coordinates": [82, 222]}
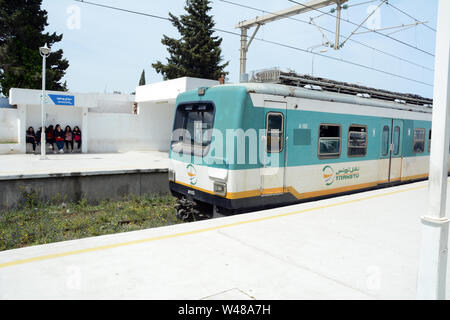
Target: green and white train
{"type": "Point", "coordinates": [257, 145]}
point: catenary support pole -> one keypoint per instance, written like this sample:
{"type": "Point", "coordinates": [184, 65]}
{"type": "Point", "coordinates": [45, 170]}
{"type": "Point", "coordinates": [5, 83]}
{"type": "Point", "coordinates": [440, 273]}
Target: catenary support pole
{"type": "Point", "coordinates": [244, 49]}
{"type": "Point", "coordinates": [338, 26]}
{"type": "Point", "coordinates": [431, 282]}
{"type": "Point", "coordinates": [271, 17]}
{"type": "Point", "coordinates": [43, 131]}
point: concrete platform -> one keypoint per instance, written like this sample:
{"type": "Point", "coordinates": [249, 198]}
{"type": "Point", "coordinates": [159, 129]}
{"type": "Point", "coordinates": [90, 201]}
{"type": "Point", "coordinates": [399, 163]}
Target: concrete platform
{"type": "Point", "coordinates": [29, 166]}
{"type": "Point", "coordinates": [72, 177]}
{"type": "Point", "coordinates": [362, 246]}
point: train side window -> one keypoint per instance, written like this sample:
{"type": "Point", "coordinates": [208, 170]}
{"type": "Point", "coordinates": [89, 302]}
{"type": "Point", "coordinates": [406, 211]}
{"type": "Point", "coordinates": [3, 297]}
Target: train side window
{"type": "Point", "coordinates": [329, 141]}
{"type": "Point", "coordinates": [385, 141]}
{"type": "Point", "coordinates": [396, 140]}
{"type": "Point", "coordinates": [357, 141]}
{"type": "Point", "coordinates": [275, 132]}
{"type": "Point", "coordinates": [429, 141]}
{"type": "Point", "coordinates": [419, 141]}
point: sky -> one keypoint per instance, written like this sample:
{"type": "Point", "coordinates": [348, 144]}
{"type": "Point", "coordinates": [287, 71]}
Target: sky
{"type": "Point", "coordinates": [107, 49]}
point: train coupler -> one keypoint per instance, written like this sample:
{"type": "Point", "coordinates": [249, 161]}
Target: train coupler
{"type": "Point", "coordinates": [190, 210]}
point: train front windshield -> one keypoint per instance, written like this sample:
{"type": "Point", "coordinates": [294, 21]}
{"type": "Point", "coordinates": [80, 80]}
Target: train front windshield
{"type": "Point", "coordinates": [192, 130]}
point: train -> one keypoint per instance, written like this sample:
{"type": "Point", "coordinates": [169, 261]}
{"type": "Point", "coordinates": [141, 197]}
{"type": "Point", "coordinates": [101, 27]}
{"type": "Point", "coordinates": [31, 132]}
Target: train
{"type": "Point", "coordinates": [247, 146]}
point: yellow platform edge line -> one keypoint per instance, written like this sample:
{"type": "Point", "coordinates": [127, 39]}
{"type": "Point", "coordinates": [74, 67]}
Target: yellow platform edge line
{"type": "Point", "coordinates": [181, 234]}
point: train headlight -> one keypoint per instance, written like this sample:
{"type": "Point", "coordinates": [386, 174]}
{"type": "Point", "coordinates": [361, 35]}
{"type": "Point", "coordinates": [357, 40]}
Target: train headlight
{"type": "Point", "coordinates": [220, 189]}
{"type": "Point", "coordinates": [201, 91]}
{"type": "Point", "coordinates": [172, 175]}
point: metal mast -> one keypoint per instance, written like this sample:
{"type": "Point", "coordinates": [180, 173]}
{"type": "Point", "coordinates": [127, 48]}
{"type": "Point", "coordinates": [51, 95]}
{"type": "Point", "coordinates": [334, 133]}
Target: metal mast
{"type": "Point", "coordinates": [259, 21]}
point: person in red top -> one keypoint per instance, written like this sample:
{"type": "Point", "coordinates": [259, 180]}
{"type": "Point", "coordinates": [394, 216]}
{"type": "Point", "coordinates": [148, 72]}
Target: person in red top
{"type": "Point", "coordinates": [77, 136]}
{"type": "Point", "coordinates": [59, 138]}
{"type": "Point", "coordinates": [68, 138]}
{"type": "Point", "coordinates": [50, 137]}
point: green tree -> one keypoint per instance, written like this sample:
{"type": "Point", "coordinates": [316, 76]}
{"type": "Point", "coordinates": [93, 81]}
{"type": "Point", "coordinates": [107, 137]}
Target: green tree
{"type": "Point", "coordinates": [197, 53]}
{"type": "Point", "coordinates": [22, 24]}
{"type": "Point", "coordinates": [142, 80]}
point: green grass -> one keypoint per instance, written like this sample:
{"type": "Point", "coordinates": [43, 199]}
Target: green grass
{"type": "Point", "coordinates": [37, 223]}
{"type": "Point", "coordinates": [8, 142]}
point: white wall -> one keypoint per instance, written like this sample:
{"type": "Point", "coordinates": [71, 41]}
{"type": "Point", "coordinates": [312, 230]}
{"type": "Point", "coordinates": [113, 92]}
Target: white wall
{"type": "Point", "coordinates": [169, 90]}
{"type": "Point", "coordinates": [157, 123]}
{"type": "Point", "coordinates": [114, 103]}
{"type": "Point", "coordinates": [113, 132]}
{"type": "Point", "coordinates": [62, 115]}
{"type": "Point", "coordinates": [9, 125]}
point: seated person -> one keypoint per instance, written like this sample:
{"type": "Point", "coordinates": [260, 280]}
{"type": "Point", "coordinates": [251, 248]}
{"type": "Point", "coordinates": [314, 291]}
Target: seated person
{"type": "Point", "coordinates": [31, 137]}
{"type": "Point", "coordinates": [39, 136]}
{"type": "Point", "coordinates": [59, 138]}
{"type": "Point", "coordinates": [68, 138]}
{"type": "Point", "coordinates": [50, 139]}
{"type": "Point", "coordinates": [77, 136]}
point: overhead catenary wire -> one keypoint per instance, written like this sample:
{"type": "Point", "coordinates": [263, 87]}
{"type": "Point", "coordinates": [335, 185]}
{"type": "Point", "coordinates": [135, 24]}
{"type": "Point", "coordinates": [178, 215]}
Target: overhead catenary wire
{"type": "Point", "coordinates": [408, 15]}
{"type": "Point", "coordinates": [360, 25]}
{"type": "Point", "coordinates": [333, 32]}
{"type": "Point", "coordinates": [350, 6]}
{"type": "Point", "coordinates": [335, 59]}
{"type": "Point", "coordinates": [266, 41]}
{"type": "Point", "coordinates": [361, 3]}
{"type": "Point", "coordinates": [123, 10]}
{"type": "Point", "coordinates": [374, 31]}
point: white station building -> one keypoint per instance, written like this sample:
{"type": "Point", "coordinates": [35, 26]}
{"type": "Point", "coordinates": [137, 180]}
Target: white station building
{"type": "Point", "coordinates": [109, 122]}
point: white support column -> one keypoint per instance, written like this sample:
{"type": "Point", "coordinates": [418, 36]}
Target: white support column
{"type": "Point", "coordinates": [21, 127]}
{"type": "Point", "coordinates": [84, 131]}
{"type": "Point", "coordinates": [431, 283]}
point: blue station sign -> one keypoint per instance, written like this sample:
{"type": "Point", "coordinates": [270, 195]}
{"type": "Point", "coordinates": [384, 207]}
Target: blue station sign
{"type": "Point", "coordinates": [62, 100]}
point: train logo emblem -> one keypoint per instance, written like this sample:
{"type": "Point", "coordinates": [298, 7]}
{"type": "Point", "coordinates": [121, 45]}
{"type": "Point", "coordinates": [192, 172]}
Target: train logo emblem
{"type": "Point", "coordinates": [328, 175]}
{"type": "Point", "coordinates": [192, 174]}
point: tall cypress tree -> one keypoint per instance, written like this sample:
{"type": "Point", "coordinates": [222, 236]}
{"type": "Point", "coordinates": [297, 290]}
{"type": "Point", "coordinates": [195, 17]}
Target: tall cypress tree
{"type": "Point", "coordinates": [22, 24]}
{"type": "Point", "coordinates": [142, 80]}
{"type": "Point", "coordinates": [197, 53]}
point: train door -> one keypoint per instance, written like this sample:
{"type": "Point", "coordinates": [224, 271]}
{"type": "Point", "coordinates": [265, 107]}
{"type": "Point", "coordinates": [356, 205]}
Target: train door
{"type": "Point", "coordinates": [391, 150]}
{"type": "Point", "coordinates": [272, 171]}
{"type": "Point", "coordinates": [395, 173]}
